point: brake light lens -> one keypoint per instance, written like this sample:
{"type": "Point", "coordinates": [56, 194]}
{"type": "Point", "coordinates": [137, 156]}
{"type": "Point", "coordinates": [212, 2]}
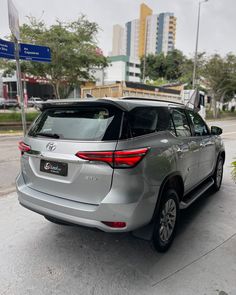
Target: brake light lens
{"type": "Point", "coordinates": [23, 147]}
{"type": "Point", "coordinates": [96, 156]}
{"type": "Point", "coordinates": [115, 224]}
{"type": "Point", "coordinates": [129, 158]}
{"type": "Point", "coordinates": [116, 159]}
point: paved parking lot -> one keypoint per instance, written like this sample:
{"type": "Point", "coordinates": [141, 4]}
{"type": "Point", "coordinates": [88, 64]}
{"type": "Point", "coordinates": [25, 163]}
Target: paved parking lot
{"type": "Point", "coordinates": [37, 257]}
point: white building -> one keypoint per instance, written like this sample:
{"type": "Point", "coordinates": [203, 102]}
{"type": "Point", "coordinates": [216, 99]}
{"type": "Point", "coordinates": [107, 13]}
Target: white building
{"type": "Point", "coordinates": [122, 68]}
{"type": "Point", "coordinates": [118, 41]}
{"type": "Point", "coordinates": [152, 33]}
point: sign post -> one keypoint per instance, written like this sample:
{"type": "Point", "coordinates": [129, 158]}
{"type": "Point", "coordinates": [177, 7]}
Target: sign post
{"type": "Point", "coordinates": [19, 86]}
{"type": "Point", "coordinates": [15, 29]}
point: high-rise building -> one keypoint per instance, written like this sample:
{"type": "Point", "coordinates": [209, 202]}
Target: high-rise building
{"type": "Point", "coordinates": [145, 11]}
{"type": "Point", "coordinates": [151, 33]}
{"type": "Point", "coordinates": [132, 38]}
{"type": "Point", "coordinates": [118, 41]}
{"type": "Point", "coordinates": [166, 32]}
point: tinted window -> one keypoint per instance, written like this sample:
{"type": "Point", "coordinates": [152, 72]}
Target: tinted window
{"type": "Point", "coordinates": [96, 124]}
{"type": "Point", "coordinates": [141, 121]}
{"type": "Point", "coordinates": [199, 126]}
{"type": "Point", "coordinates": [182, 127]}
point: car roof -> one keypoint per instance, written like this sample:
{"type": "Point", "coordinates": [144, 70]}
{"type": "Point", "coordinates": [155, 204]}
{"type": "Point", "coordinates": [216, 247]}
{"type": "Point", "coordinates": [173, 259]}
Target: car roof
{"type": "Point", "coordinates": [124, 103]}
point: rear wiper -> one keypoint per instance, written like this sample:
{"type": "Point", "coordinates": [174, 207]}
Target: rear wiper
{"type": "Point", "coordinates": [52, 135]}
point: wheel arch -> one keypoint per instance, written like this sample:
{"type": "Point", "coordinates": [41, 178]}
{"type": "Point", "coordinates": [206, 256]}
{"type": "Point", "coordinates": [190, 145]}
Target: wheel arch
{"type": "Point", "coordinates": [221, 154]}
{"type": "Point", "coordinates": [174, 181]}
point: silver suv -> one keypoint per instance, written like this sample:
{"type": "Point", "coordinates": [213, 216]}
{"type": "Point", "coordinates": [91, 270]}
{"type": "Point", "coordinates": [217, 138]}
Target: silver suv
{"type": "Point", "coordinates": [118, 165]}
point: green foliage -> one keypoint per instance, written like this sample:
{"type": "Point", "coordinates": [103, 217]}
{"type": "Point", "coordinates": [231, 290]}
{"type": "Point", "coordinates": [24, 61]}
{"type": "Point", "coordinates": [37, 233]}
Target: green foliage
{"type": "Point", "coordinates": [74, 51]}
{"type": "Point", "coordinates": [158, 82]}
{"type": "Point", "coordinates": [234, 171]}
{"type": "Point", "coordinates": [220, 74]}
{"type": "Point", "coordinates": [159, 66]}
{"type": "Point", "coordinates": [16, 117]}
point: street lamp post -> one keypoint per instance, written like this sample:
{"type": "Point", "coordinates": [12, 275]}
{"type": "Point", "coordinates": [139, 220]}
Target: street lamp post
{"type": "Point", "coordinates": [197, 38]}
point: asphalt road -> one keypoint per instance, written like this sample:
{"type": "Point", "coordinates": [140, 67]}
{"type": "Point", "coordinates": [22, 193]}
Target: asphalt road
{"type": "Point", "coordinates": [37, 257]}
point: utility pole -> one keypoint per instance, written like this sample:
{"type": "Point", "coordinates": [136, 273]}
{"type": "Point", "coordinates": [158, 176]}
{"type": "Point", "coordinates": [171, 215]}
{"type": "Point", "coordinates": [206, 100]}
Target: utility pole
{"type": "Point", "coordinates": [197, 39]}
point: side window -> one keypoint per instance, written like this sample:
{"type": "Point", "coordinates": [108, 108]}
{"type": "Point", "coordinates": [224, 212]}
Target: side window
{"type": "Point", "coordinates": [142, 121]}
{"type": "Point", "coordinates": [146, 120]}
{"type": "Point", "coordinates": [182, 127]}
{"type": "Point", "coordinates": [199, 126]}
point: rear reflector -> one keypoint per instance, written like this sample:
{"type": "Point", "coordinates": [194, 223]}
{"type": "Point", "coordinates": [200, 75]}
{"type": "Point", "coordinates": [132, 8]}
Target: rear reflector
{"type": "Point", "coordinates": [23, 147]}
{"type": "Point", "coordinates": [115, 224]}
{"type": "Point", "coordinates": [116, 159]}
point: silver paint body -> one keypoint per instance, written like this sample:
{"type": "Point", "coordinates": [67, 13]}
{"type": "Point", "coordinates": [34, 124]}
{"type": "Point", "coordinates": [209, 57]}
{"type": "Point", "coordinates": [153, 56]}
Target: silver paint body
{"type": "Point", "coordinates": [94, 192]}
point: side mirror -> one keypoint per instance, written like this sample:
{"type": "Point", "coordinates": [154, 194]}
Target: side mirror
{"type": "Point", "coordinates": [216, 130]}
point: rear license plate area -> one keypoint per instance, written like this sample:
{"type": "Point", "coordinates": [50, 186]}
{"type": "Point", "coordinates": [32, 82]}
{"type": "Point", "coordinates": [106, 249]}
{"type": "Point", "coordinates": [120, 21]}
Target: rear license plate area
{"type": "Point", "coordinates": [56, 168]}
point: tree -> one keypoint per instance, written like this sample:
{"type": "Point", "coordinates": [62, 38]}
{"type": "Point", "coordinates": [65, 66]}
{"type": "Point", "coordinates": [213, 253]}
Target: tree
{"type": "Point", "coordinates": [220, 74]}
{"type": "Point", "coordinates": [74, 51]}
{"type": "Point", "coordinates": [174, 62]}
{"type": "Point", "coordinates": [155, 66]}
{"type": "Point", "coordinates": [169, 67]}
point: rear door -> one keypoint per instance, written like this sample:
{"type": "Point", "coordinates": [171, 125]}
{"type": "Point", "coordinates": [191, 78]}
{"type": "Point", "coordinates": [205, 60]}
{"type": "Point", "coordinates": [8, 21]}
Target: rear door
{"type": "Point", "coordinates": [52, 166]}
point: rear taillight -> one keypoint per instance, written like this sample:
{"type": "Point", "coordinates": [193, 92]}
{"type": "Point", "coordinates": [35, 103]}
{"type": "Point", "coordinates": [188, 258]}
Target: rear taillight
{"type": "Point", "coordinates": [23, 147]}
{"type": "Point", "coordinates": [117, 159]}
{"type": "Point", "coordinates": [115, 224]}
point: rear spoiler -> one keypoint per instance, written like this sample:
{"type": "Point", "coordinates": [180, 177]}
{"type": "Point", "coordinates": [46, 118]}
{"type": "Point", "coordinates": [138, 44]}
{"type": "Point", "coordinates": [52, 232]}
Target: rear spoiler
{"type": "Point", "coordinates": [50, 104]}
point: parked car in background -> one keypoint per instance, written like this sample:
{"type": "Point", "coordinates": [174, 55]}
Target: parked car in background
{"type": "Point", "coordinates": [11, 103]}
{"type": "Point", "coordinates": [33, 101]}
{"type": "Point", "coordinates": [2, 102]}
{"type": "Point", "coordinates": [118, 165]}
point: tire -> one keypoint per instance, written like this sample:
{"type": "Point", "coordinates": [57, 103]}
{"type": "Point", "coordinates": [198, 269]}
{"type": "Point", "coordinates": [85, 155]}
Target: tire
{"type": "Point", "coordinates": [57, 221]}
{"type": "Point", "coordinates": [164, 227]}
{"type": "Point", "coordinates": [218, 174]}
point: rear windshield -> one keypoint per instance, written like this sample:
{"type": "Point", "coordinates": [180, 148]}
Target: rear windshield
{"type": "Point", "coordinates": [83, 123]}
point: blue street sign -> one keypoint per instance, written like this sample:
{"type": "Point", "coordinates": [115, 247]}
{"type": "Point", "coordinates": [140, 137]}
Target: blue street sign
{"type": "Point", "coordinates": [7, 49]}
{"type": "Point", "coordinates": [35, 53]}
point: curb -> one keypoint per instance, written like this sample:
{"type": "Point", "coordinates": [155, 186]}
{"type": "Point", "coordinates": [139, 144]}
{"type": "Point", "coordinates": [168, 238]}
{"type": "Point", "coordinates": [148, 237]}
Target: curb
{"type": "Point", "coordinates": [11, 134]}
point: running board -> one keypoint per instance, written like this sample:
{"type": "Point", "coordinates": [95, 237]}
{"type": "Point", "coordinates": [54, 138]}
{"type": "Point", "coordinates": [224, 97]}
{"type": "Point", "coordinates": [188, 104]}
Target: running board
{"type": "Point", "coordinates": [196, 194]}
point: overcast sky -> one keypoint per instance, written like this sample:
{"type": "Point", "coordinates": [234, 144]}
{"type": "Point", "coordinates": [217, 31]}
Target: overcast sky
{"type": "Point", "coordinates": [218, 19]}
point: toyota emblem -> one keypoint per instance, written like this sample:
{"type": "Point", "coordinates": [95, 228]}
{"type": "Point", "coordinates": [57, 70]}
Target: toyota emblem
{"type": "Point", "coordinates": [51, 146]}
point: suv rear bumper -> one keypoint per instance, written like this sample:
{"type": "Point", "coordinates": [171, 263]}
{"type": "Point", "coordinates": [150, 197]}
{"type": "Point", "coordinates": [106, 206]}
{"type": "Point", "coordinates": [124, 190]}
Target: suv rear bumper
{"type": "Point", "coordinates": [134, 214]}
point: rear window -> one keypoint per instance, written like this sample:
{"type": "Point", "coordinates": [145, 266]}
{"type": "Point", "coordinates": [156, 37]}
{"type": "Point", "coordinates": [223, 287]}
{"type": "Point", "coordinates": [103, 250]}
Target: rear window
{"type": "Point", "coordinates": [146, 120]}
{"type": "Point", "coordinates": [86, 124]}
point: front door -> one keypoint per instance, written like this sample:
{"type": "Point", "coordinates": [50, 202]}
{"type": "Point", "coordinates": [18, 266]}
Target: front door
{"type": "Point", "coordinates": [207, 144]}
{"type": "Point", "coordinates": [187, 149]}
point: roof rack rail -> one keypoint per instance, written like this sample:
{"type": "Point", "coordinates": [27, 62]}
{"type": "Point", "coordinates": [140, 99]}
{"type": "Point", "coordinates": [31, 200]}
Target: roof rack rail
{"type": "Point", "coordinates": [150, 99]}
